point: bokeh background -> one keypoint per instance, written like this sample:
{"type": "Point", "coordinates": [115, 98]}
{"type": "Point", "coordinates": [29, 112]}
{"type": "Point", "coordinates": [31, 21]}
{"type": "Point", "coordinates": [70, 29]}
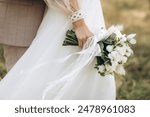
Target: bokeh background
{"type": "Point", "coordinates": [134, 15]}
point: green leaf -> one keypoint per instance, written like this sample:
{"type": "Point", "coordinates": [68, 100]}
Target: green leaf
{"type": "Point", "coordinates": [100, 61]}
{"type": "Point", "coordinates": [70, 39]}
{"type": "Point", "coordinates": [101, 45]}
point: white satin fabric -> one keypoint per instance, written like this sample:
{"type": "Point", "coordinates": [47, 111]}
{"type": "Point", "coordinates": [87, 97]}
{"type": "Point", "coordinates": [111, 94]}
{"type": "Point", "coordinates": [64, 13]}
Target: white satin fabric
{"type": "Point", "coordinates": [40, 73]}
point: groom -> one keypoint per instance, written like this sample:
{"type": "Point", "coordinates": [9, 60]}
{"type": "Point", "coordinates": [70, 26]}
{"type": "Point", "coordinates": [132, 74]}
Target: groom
{"type": "Point", "coordinates": [19, 22]}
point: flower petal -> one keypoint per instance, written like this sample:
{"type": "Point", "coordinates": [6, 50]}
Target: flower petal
{"type": "Point", "coordinates": [131, 36]}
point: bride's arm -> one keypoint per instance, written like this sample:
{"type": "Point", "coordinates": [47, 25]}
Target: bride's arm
{"type": "Point", "coordinates": [81, 29]}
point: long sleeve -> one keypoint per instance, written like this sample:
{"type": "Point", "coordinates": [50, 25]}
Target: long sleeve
{"type": "Point", "coordinates": [62, 4]}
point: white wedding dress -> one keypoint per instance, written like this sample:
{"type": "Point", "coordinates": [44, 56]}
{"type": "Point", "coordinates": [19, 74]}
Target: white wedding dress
{"type": "Point", "coordinates": [40, 73]}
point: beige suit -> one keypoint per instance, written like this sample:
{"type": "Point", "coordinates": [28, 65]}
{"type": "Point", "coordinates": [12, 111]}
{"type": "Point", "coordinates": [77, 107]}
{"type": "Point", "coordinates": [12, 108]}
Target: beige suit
{"type": "Point", "coordinates": [19, 22]}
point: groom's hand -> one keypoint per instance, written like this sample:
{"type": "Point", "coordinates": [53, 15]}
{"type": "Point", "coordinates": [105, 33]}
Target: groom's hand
{"type": "Point", "coordinates": [82, 32]}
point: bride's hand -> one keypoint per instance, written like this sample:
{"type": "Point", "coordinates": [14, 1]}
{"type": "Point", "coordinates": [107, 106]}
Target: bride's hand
{"type": "Point", "coordinates": [82, 32]}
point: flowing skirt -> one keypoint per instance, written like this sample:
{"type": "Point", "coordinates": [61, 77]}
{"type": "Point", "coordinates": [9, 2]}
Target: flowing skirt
{"type": "Point", "coordinates": [39, 73]}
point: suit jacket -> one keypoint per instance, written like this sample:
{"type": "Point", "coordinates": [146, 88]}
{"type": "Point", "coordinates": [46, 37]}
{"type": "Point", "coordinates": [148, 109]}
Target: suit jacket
{"type": "Point", "coordinates": [19, 21]}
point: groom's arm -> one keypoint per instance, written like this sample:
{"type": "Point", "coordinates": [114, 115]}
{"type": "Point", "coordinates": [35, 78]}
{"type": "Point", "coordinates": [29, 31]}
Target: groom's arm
{"type": "Point", "coordinates": [19, 21]}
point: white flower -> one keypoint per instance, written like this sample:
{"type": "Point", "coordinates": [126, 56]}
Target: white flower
{"type": "Point", "coordinates": [101, 68]}
{"type": "Point", "coordinates": [123, 39]}
{"type": "Point", "coordinates": [114, 65]}
{"type": "Point", "coordinates": [128, 54]}
{"type": "Point", "coordinates": [113, 55]}
{"type": "Point", "coordinates": [112, 29]}
{"type": "Point", "coordinates": [122, 43]}
{"type": "Point", "coordinates": [121, 50]}
{"type": "Point", "coordinates": [124, 59]}
{"type": "Point", "coordinates": [109, 48]}
{"type": "Point", "coordinates": [131, 36]}
{"type": "Point", "coordinates": [108, 67]}
{"type": "Point", "coordinates": [129, 51]}
{"type": "Point", "coordinates": [132, 41]}
{"type": "Point", "coordinates": [120, 70]}
{"type": "Point", "coordinates": [118, 33]}
{"type": "Point", "coordinates": [120, 59]}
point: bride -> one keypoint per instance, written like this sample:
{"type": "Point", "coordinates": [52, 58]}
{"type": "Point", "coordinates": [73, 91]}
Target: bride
{"type": "Point", "coordinates": [43, 73]}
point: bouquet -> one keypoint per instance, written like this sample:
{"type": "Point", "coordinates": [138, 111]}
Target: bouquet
{"type": "Point", "coordinates": [112, 49]}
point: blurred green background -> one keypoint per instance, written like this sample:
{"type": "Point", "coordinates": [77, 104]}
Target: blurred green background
{"type": "Point", "coordinates": [134, 15]}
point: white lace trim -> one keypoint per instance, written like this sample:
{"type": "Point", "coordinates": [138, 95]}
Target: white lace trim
{"type": "Point", "coordinates": [75, 16]}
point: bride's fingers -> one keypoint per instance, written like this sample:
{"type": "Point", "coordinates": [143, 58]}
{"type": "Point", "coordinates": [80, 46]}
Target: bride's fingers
{"type": "Point", "coordinates": [84, 41]}
{"type": "Point", "coordinates": [80, 43]}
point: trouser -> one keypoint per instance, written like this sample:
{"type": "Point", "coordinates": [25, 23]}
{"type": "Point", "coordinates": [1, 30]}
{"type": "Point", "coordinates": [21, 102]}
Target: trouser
{"type": "Point", "coordinates": [12, 55]}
